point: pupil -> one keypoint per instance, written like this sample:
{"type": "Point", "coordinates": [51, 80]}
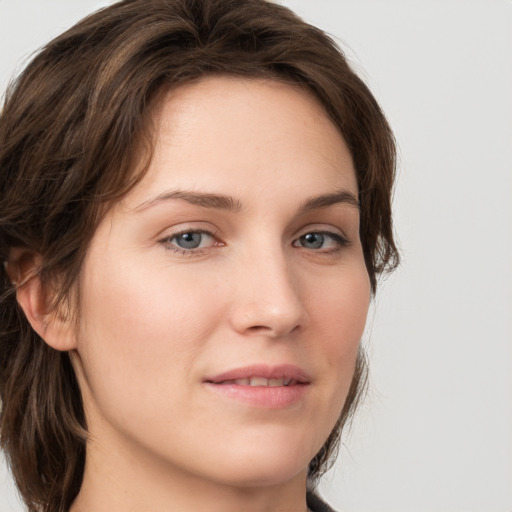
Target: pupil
{"type": "Point", "coordinates": [189, 240]}
{"type": "Point", "coordinates": [313, 240]}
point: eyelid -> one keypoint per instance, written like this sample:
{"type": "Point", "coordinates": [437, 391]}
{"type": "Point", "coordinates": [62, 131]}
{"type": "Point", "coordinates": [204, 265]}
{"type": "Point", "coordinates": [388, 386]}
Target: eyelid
{"type": "Point", "coordinates": [171, 233]}
{"type": "Point", "coordinates": [335, 236]}
{"type": "Point", "coordinates": [325, 229]}
{"type": "Point", "coordinates": [187, 227]}
{"type": "Point", "coordinates": [335, 233]}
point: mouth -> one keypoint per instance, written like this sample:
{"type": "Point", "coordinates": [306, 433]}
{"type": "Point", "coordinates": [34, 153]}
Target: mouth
{"type": "Point", "coordinates": [262, 386]}
{"type": "Point", "coordinates": [261, 382]}
{"type": "Point", "coordinates": [262, 375]}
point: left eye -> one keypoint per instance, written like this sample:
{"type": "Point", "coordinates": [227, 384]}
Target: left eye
{"type": "Point", "coordinates": [315, 240]}
{"type": "Point", "coordinates": [191, 240]}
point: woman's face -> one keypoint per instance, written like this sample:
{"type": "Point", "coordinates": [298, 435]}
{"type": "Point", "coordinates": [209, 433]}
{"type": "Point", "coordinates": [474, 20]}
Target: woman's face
{"type": "Point", "coordinates": [224, 298]}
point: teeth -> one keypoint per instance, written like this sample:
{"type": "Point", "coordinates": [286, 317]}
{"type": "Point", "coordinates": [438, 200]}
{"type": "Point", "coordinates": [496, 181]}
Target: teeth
{"type": "Point", "coordinates": [259, 381]}
{"type": "Point", "coordinates": [262, 381]}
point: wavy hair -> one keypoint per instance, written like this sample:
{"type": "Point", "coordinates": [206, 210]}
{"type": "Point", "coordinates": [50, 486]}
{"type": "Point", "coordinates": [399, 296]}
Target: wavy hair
{"type": "Point", "coordinates": [72, 129]}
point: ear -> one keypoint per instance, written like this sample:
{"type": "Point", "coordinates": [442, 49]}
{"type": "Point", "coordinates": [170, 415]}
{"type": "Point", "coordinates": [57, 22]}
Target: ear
{"type": "Point", "coordinates": [54, 327]}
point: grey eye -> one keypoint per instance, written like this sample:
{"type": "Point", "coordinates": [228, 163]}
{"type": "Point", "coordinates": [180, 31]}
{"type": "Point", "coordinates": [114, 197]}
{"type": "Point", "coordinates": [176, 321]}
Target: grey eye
{"type": "Point", "coordinates": [188, 240]}
{"type": "Point", "coordinates": [312, 240]}
{"type": "Point", "coordinates": [315, 240]}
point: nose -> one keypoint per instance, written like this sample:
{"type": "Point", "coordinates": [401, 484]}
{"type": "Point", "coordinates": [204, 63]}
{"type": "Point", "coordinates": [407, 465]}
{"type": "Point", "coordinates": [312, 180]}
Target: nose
{"type": "Point", "coordinates": [267, 301]}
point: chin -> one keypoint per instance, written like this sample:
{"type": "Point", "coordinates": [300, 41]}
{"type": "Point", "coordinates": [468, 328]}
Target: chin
{"type": "Point", "coordinates": [264, 465]}
{"type": "Point", "coordinates": [263, 476]}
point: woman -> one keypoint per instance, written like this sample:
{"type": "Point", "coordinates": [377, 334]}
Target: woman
{"type": "Point", "coordinates": [195, 208]}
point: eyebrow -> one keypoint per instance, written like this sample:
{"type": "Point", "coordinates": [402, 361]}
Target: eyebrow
{"type": "Point", "coordinates": [217, 201]}
{"type": "Point", "coordinates": [223, 202]}
{"type": "Point", "coordinates": [325, 200]}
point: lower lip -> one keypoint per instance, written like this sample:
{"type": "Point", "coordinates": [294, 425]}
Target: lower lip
{"type": "Point", "coordinates": [268, 397]}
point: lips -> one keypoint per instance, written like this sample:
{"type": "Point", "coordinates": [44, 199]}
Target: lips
{"type": "Point", "coordinates": [262, 375]}
{"type": "Point", "coordinates": [262, 386]}
{"type": "Point", "coordinates": [261, 381]}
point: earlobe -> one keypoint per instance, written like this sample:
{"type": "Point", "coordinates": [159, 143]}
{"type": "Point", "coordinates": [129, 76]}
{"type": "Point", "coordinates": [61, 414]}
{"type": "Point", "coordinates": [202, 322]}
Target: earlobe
{"type": "Point", "coordinates": [54, 327]}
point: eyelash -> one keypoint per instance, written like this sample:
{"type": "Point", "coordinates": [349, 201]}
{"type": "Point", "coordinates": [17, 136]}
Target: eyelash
{"type": "Point", "coordinates": [187, 252]}
{"type": "Point", "coordinates": [340, 241]}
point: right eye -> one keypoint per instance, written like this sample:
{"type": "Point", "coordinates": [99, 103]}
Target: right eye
{"type": "Point", "coordinates": [189, 241]}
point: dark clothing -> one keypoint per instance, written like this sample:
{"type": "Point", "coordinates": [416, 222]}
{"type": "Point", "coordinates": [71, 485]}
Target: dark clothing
{"type": "Point", "coordinates": [315, 504]}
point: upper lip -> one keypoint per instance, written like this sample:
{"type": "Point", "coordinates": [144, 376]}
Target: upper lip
{"type": "Point", "coordinates": [282, 371]}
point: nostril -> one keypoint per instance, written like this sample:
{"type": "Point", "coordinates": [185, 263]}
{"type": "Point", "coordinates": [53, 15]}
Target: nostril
{"type": "Point", "coordinates": [267, 330]}
{"type": "Point", "coordinates": [257, 328]}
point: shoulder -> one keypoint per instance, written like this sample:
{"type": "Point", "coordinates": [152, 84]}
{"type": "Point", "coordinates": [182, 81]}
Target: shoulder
{"type": "Point", "coordinates": [315, 504]}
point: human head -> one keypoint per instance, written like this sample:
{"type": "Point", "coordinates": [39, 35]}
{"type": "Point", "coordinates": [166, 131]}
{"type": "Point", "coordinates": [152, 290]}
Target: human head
{"type": "Point", "coordinates": [75, 136]}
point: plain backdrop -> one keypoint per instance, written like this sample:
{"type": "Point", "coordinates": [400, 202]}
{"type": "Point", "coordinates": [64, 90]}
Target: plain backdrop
{"type": "Point", "coordinates": [435, 433]}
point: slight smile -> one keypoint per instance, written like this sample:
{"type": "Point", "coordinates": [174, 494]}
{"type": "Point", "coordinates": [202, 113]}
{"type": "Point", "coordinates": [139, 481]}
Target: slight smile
{"type": "Point", "coordinates": [271, 387]}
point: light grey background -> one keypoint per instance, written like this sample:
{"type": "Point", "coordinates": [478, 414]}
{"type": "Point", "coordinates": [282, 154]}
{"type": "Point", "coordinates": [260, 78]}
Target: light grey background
{"type": "Point", "coordinates": [435, 433]}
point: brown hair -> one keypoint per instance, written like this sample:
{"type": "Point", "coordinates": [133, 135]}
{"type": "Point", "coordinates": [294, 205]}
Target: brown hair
{"type": "Point", "coordinates": [72, 128]}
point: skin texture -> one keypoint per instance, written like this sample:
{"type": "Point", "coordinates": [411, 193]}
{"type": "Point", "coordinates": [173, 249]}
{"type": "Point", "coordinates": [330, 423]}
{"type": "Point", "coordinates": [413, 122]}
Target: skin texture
{"type": "Point", "coordinates": [156, 320]}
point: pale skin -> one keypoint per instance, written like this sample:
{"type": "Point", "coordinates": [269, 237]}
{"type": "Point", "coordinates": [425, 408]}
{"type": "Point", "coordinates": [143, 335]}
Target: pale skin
{"type": "Point", "coordinates": [239, 247]}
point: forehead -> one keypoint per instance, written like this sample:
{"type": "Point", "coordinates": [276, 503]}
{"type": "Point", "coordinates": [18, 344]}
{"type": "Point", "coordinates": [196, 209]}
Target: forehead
{"type": "Point", "coordinates": [237, 136]}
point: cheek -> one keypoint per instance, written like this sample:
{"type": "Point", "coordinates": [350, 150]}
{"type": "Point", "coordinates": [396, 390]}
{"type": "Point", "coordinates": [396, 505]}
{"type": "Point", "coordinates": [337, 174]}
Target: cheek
{"type": "Point", "coordinates": [141, 332]}
{"type": "Point", "coordinates": [148, 306]}
{"type": "Point", "coordinates": [340, 303]}
{"type": "Point", "coordinates": [339, 309]}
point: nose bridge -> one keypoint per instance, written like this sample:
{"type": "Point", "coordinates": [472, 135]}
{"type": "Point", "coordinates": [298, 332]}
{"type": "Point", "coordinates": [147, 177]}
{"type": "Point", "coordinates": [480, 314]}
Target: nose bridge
{"type": "Point", "coordinates": [268, 298]}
